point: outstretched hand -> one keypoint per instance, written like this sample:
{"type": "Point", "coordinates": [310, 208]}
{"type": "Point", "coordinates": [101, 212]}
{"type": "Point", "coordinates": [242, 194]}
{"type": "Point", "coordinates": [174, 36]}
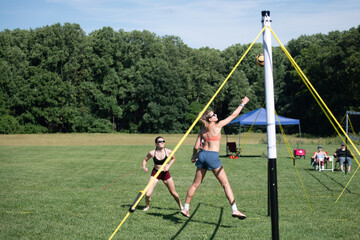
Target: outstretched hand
{"type": "Point", "coordinates": [244, 101]}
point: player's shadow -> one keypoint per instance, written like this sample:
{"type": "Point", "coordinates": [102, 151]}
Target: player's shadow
{"type": "Point", "coordinates": [311, 173]}
{"type": "Point", "coordinates": [174, 218]}
{"type": "Point", "coordinates": [140, 208]}
{"type": "Point", "coordinates": [335, 181]}
{"type": "Point", "coordinates": [217, 225]}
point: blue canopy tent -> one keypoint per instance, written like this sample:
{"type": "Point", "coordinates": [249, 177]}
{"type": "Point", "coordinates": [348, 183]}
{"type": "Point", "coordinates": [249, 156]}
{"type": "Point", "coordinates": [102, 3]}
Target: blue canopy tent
{"type": "Point", "coordinates": [258, 117]}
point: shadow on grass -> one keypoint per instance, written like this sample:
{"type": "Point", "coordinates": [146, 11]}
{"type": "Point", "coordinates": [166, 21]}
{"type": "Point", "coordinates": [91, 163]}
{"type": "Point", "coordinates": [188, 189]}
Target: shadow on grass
{"type": "Point", "coordinates": [218, 224]}
{"type": "Point", "coordinates": [140, 208]}
{"type": "Point", "coordinates": [169, 217]}
{"type": "Point", "coordinates": [341, 185]}
{"type": "Point", "coordinates": [312, 171]}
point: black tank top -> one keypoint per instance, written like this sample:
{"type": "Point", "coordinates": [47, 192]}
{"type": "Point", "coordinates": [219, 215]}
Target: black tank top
{"type": "Point", "coordinates": [157, 161]}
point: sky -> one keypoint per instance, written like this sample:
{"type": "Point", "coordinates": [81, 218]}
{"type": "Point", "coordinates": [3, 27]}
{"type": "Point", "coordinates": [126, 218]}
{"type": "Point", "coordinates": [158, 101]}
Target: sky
{"type": "Point", "coordinates": [199, 23]}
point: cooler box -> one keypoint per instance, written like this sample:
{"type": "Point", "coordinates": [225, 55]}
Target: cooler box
{"type": "Point", "coordinates": [299, 152]}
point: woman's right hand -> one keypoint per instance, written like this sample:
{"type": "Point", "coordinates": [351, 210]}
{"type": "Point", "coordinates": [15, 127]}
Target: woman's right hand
{"type": "Point", "coordinates": [145, 169]}
{"type": "Point", "coordinates": [194, 159]}
{"type": "Point", "coordinates": [244, 101]}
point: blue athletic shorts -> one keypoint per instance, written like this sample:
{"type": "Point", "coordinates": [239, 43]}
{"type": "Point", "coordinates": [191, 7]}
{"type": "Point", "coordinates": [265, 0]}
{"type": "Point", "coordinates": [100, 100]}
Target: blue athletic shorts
{"type": "Point", "coordinates": [208, 159]}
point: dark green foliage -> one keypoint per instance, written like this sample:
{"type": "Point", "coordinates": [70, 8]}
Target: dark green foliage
{"type": "Point", "coordinates": [57, 79]}
{"type": "Point", "coordinates": [331, 64]}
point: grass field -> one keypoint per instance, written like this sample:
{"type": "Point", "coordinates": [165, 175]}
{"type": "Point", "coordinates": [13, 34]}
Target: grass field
{"type": "Point", "coordinates": [81, 186]}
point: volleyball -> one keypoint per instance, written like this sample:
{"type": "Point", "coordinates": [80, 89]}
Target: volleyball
{"type": "Point", "coordinates": [260, 60]}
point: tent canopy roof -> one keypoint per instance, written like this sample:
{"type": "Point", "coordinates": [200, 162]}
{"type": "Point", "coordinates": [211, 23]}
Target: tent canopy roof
{"type": "Point", "coordinates": [250, 117]}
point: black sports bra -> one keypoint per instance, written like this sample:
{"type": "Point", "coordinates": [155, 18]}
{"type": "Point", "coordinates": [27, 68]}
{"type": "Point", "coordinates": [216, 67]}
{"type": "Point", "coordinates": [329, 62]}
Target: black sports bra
{"type": "Point", "coordinates": [157, 161]}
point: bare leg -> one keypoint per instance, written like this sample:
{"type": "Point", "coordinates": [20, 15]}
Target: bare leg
{"type": "Point", "coordinates": [171, 186]}
{"type": "Point", "coordinates": [221, 176]}
{"type": "Point", "coordinates": [199, 176]}
{"type": "Point", "coordinates": [149, 192]}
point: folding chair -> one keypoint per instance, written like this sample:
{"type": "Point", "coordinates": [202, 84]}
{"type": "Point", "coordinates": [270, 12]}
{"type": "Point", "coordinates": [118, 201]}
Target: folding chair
{"type": "Point", "coordinates": [326, 159]}
{"type": "Point", "coordinates": [231, 147]}
{"type": "Point", "coordinates": [338, 163]}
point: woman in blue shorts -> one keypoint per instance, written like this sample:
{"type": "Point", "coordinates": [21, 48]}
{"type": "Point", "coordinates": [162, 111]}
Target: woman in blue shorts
{"type": "Point", "coordinates": [159, 155]}
{"type": "Point", "coordinates": [208, 157]}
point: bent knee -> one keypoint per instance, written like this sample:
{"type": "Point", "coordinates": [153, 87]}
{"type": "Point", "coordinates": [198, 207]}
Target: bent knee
{"type": "Point", "coordinates": [195, 185]}
{"type": "Point", "coordinates": [175, 194]}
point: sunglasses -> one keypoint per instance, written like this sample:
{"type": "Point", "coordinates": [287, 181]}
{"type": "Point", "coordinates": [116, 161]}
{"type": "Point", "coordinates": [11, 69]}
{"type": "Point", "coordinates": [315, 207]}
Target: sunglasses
{"type": "Point", "coordinates": [214, 114]}
{"type": "Point", "coordinates": [161, 141]}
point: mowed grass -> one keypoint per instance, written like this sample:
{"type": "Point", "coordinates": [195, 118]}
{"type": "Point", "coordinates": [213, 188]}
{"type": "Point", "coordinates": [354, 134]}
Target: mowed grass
{"type": "Point", "coordinates": [85, 191]}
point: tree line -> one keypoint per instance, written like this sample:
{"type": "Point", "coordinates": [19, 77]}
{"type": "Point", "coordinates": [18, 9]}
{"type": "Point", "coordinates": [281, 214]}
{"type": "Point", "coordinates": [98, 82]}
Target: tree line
{"type": "Point", "coordinates": [58, 79]}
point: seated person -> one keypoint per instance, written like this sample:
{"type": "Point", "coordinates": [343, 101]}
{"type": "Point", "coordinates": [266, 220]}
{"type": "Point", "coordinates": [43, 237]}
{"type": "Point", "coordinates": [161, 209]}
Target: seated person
{"type": "Point", "coordinates": [318, 157]}
{"type": "Point", "coordinates": [343, 155]}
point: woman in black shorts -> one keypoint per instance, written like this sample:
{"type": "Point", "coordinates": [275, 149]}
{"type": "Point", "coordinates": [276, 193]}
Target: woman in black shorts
{"type": "Point", "coordinates": [159, 155]}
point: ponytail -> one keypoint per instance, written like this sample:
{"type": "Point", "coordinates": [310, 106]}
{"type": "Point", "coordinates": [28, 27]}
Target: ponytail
{"type": "Point", "coordinates": [205, 119]}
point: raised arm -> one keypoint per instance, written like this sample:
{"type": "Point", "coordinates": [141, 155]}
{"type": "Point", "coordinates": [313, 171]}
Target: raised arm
{"type": "Point", "coordinates": [237, 111]}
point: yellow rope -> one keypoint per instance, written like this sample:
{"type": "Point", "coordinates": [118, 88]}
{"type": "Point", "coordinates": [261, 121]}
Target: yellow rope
{"type": "Point", "coordinates": [347, 184]}
{"type": "Point", "coordinates": [187, 133]}
{"type": "Point", "coordinates": [127, 215]}
{"type": "Point", "coordinates": [319, 101]}
{"type": "Point", "coordinates": [293, 158]}
{"type": "Point", "coordinates": [248, 133]}
{"type": "Point", "coordinates": [313, 91]}
{"type": "Point", "coordinates": [341, 122]}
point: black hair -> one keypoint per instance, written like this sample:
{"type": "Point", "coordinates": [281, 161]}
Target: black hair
{"type": "Point", "coordinates": [158, 138]}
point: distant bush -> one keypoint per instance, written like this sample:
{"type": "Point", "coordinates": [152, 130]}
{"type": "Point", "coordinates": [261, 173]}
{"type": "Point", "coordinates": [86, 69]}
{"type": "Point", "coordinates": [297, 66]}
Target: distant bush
{"type": "Point", "coordinates": [33, 128]}
{"type": "Point", "coordinates": [101, 126]}
{"type": "Point", "coordinates": [9, 124]}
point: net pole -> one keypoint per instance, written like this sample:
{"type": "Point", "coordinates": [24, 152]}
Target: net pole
{"type": "Point", "coordinates": [271, 127]}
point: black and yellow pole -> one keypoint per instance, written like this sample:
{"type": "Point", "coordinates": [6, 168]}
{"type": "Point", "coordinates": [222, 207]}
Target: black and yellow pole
{"type": "Point", "coordinates": [271, 127]}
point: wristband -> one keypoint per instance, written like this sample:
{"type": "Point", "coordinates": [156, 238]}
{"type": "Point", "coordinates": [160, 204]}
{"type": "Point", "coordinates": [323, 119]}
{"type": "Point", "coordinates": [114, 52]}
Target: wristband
{"type": "Point", "coordinates": [241, 105]}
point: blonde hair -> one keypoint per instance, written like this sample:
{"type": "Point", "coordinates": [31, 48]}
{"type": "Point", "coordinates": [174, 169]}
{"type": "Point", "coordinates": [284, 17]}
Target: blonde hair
{"type": "Point", "coordinates": [205, 119]}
